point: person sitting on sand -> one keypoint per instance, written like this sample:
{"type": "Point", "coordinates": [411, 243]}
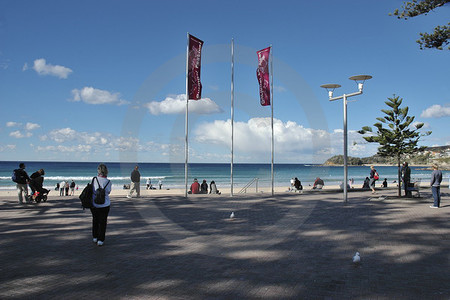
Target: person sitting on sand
{"type": "Point", "coordinates": [297, 184]}
{"type": "Point", "coordinates": [213, 188]}
{"type": "Point", "coordinates": [195, 187]}
{"type": "Point", "coordinates": [318, 184]}
{"type": "Point", "coordinates": [204, 187]}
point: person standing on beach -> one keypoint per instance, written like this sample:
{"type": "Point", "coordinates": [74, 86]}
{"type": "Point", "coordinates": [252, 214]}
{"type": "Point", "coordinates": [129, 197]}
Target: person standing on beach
{"type": "Point", "coordinates": [72, 188]}
{"type": "Point", "coordinates": [406, 177]}
{"type": "Point", "coordinates": [436, 179]}
{"type": "Point", "coordinates": [135, 182]}
{"type": "Point", "coordinates": [67, 188]}
{"type": "Point", "coordinates": [21, 180]}
{"type": "Point", "coordinates": [62, 186]}
{"type": "Point", "coordinates": [373, 178]}
{"type": "Point", "coordinates": [100, 211]}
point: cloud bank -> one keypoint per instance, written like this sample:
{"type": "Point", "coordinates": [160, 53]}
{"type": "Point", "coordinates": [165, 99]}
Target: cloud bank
{"type": "Point", "coordinates": [25, 133]}
{"type": "Point", "coordinates": [70, 140]}
{"type": "Point", "coordinates": [290, 138]}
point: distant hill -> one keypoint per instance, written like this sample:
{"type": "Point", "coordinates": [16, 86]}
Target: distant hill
{"type": "Point", "coordinates": [439, 154]}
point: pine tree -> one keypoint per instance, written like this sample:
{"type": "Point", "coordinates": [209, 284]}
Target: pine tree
{"type": "Point", "coordinates": [441, 35]}
{"type": "Point", "coordinates": [400, 137]}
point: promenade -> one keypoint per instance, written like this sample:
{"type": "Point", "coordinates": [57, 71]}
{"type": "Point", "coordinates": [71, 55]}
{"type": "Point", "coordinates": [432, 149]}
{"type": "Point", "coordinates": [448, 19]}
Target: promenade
{"type": "Point", "coordinates": [291, 246]}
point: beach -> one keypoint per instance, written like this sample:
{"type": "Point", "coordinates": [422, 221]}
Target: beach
{"type": "Point", "coordinates": [264, 190]}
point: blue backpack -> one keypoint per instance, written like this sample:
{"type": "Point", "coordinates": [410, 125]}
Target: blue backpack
{"type": "Point", "coordinates": [14, 176]}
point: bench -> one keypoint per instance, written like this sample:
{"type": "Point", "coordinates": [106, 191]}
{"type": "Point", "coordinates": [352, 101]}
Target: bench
{"type": "Point", "coordinates": [414, 187]}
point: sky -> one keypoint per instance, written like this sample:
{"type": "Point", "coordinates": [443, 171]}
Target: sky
{"type": "Point", "coordinates": [104, 81]}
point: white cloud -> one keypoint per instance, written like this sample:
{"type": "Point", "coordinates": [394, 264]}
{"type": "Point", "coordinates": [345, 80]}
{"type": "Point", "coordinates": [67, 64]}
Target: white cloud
{"type": "Point", "coordinates": [25, 67]}
{"type": "Point", "coordinates": [436, 111]}
{"type": "Point", "coordinates": [7, 147]}
{"type": "Point", "coordinates": [19, 135]}
{"type": "Point", "coordinates": [13, 124]}
{"type": "Point", "coordinates": [32, 126]}
{"type": "Point", "coordinates": [177, 105]}
{"type": "Point", "coordinates": [42, 68]}
{"type": "Point", "coordinates": [91, 95]}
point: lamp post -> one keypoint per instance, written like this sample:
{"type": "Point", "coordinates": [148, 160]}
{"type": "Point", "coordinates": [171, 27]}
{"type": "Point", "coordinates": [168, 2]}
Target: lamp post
{"type": "Point", "coordinates": [359, 79]}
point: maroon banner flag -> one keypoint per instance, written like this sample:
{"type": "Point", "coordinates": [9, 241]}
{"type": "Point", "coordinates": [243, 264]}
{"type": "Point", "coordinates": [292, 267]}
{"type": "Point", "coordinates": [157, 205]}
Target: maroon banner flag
{"type": "Point", "coordinates": [262, 73]}
{"type": "Point", "coordinates": [194, 65]}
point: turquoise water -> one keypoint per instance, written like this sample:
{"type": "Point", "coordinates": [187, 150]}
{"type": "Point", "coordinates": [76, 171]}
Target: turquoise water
{"type": "Point", "coordinates": [172, 174]}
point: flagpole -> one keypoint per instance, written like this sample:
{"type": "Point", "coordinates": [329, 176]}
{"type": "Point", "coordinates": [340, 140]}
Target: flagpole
{"type": "Point", "coordinates": [232, 115]}
{"type": "Point", "coordinates": [186, 147]}
{"type": "Point", "coordinates": [271, 96]}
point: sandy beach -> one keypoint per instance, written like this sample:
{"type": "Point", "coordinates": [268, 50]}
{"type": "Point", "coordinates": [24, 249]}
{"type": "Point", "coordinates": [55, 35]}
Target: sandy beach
{"type": "Point", "coordinates": [226, 191]}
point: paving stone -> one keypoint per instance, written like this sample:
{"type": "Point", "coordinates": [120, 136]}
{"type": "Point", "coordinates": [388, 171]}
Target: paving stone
{"type": "Point", "coordinates": [291, 246]}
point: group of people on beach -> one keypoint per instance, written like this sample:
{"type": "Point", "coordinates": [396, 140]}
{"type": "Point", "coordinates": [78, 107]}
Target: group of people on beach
{"type": "Point", "coordinates": [100, 212]}
{"type": "Point", "coordinates": [64, 188]}
{"type": "Point", "coordinates": [197, 188]}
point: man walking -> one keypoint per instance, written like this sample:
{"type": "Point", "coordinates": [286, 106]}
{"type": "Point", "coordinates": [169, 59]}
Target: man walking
{"type": "Point", "coordinates": [21, 179]}
{"type": "Point", "coordinates": [135, 182]}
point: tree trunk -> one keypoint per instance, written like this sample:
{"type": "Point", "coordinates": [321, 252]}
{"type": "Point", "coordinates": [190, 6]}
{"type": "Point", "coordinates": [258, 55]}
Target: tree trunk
{"type": "Point", "coordinates": [399, 177]}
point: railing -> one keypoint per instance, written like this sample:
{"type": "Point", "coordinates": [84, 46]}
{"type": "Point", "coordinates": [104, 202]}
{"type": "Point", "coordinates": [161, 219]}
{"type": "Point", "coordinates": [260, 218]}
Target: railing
{"type": "Point", "coordinates": [244, 189]}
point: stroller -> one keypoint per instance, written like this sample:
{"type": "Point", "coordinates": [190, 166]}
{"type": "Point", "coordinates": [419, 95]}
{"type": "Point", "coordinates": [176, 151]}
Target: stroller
{"type": "Point", "coordinates": [38, 193]}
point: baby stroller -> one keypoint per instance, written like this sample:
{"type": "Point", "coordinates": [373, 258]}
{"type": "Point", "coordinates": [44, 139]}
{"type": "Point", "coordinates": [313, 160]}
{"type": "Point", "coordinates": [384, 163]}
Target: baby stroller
{"type": "Point", "coordinates": [38, 193]}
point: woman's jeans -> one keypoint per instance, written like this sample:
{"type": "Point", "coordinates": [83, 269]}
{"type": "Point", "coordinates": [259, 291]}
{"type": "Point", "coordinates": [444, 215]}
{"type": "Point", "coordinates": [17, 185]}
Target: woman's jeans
{"type": "Point", "coordinates": [99, 219]}
{"type": "Point", "coordinates": [436, 190]}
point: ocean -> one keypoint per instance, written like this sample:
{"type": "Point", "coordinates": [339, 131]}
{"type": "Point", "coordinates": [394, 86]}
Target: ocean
{"type": "Point", "coordinates": [172, 174]}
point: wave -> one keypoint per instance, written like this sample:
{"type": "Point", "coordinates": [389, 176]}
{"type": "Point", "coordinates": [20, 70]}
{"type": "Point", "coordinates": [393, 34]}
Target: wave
{"type": "Point", "coordinates": [81, 178]}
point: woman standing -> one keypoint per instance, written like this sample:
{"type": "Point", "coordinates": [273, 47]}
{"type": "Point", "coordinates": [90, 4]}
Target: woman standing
{"type": "Point", "coordinates": [100, 211]}
{"type": "Point", "coordinates": [373, 178]}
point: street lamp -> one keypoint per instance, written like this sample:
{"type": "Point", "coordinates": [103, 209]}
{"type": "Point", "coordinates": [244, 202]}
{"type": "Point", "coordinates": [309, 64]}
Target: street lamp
{"type": "Point", "coordinates": [359, 79]}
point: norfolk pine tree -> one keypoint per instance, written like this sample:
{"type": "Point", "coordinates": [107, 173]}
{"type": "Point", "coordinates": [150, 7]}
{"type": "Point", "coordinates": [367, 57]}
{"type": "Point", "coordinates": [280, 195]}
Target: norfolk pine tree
{"type": "Point", "coordinates": [441, 35]}
{"type": "Point", "coordinates": [400, 136]}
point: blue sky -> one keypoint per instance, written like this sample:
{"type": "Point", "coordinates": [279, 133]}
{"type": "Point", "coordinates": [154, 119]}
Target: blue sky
{"type": "Point", "coordinates": [105, 80]}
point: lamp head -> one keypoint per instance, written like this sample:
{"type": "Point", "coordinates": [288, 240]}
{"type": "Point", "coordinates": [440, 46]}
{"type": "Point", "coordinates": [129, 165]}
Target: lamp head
{"type": "Point", "coordinates": [330, 88]}
{"type": "Point", "coordinates": [360, 79]}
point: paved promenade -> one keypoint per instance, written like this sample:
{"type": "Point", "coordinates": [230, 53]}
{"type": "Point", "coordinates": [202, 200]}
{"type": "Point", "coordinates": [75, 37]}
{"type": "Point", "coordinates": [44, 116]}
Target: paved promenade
{"type": "Point", "coordinates": [291, 246]}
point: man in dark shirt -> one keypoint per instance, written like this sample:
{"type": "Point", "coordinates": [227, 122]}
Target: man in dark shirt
{"type": "Point", "coordinates": [135, 182]}
{"type": "Point", "coordinates": [22, 180]}
{"type": "Point", "coordinates": [406, 172]}
{"type": "Point", "coordinates": [204, 187]}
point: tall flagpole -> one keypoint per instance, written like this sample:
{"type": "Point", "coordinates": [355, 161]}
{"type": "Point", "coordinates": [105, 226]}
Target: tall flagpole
{"type": "Point", "coordinates": [232, 114]}
{"type": "Point", "coordinates": [271, 96]}
{"type": "Point", "coordinates": [186, 147]}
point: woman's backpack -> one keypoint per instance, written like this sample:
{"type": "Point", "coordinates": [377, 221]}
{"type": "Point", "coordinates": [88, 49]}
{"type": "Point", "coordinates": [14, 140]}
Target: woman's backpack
{"type": "Point", "coordinates": [100, 193]}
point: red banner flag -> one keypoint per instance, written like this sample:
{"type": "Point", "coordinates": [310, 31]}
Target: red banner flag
{"type": "Point", "coordinates": [262, 73]}
{"type": "Point", "coordinates": [194, 65]}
